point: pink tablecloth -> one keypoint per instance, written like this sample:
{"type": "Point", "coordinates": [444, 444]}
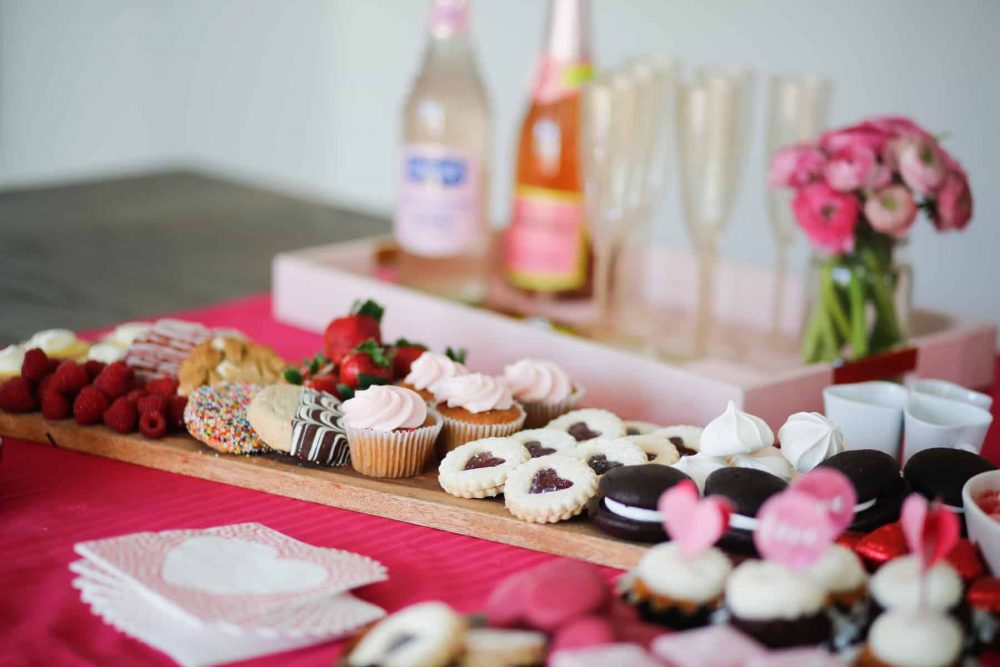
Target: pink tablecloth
{"type": "Point", "coordinates": [51, 499]}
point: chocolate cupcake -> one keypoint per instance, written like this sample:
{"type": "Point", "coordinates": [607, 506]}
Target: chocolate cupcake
{"type": "Point", "coordinates": [912, 639]}
{"type": "Point", "coordinates": [879, 487]}
{"type": "Point", "coordinates": [941, 472]}
{"type": "Point", "coordinates": [899, 585]}
{"type": "Point", "coordinates": [776, 605]}
{"type": "Point", "coordinates": [626, 501]}
{"type": "Point", "coordinates": [746, 489]}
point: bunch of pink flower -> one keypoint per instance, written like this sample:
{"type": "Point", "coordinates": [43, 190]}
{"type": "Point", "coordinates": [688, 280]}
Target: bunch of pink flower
{"type": "Point", "coordinates": [882, 170]}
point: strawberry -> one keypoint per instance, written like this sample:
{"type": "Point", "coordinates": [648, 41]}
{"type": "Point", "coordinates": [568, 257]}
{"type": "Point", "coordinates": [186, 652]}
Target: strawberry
{"type": "Point", "coordinates": [17, 395]}
{"type": "Point", "coordinates": [35, 365]}
{"type": "Point", "coordinates": [327, 383]}
{"type": "Point", "coordinates": [346, 333]}
{"type": "Point", "coordinates": [404, 354]}
{"type": "Point", "coordinates": [367, 364]}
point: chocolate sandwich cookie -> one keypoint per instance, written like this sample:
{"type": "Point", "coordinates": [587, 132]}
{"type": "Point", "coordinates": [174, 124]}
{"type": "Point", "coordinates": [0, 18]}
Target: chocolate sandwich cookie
{"type": "Point", "coordinates": [941, 472]}
{"type": "Point", "coordinates": [877, 482]}
{"type": "Point", "coordinates": [746, 489]}
{"type": "Point", "coordinates": [626, 501]}
{"type": "Point", "coordinates": [317, 435]}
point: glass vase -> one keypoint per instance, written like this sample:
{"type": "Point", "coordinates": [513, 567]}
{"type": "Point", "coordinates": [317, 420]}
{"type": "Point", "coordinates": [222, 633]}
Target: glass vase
{"type": "Point", "coordinates": [857, 304]}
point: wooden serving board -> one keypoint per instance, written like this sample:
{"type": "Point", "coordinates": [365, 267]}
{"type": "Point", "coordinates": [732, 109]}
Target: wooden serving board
{"type": "Point", "coordinates": [417, 500]}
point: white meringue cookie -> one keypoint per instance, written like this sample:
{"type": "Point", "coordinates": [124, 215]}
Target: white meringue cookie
{"type": "Point", "coordinates": [698, 467]}
{"type": "Point", "coordinates": [808, 438]}
{"type": "Point", "coordinates": [768, 459]}
{"type": "Point", "coordinates": [735, 432]}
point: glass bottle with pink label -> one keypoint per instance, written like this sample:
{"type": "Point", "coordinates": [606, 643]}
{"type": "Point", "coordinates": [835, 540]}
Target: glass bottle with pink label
{"type": "Point", "coordinates": [441, 220]}
{"type": "Point", "coordinates": [546, 246]}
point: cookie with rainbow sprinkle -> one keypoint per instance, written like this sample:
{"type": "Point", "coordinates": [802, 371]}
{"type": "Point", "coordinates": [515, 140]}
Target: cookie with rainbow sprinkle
{"type": "Point", "coordinates": [217, 416]}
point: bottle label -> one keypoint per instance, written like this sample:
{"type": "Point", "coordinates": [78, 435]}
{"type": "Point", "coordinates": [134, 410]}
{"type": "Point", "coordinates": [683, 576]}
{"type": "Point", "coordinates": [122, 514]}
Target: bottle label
{"type": "Point", "coordinates": [557, 79]}
{"type": "Point", "coordinates": [439, 201]}
{"type": "Point", "coordinates": [545, 244]}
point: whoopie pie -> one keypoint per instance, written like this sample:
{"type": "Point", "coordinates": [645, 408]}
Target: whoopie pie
{"type": "Point", "coordinates": [941, 472]}
{"type": "Point", "coordinates": [626, 502]}
{"type": "Point", "coordinates": [746, 489]}
{"type": "Point", "coordinates": [879, 486]}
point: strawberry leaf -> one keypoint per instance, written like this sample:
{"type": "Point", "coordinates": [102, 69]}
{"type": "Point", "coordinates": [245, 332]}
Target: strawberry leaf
{"type": "Point", "coordinates": [402, 342]}
{"type": "Point", "coordinates": [345, 392]}
{"type": "Point", "coordinates": [365, 380]}
{"type": "Point", "coordinates": [293, 376]}
{"type": "Point", "coordinates": [374, 351]}
{"type": "Point", "coordinates": [369, 309]}
{"type": "Point", "coordinates": [456, 355]}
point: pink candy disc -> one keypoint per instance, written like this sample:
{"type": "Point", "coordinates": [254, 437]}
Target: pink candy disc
{"type": "Point", "coordinates": [793, 529]}
{"type": "Point", "coordinates": [834, 491]}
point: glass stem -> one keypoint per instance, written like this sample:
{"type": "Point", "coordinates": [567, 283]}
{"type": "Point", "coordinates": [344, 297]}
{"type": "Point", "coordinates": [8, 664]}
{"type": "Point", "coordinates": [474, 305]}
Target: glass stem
{"type": "Point", "coordinates": [706, 293]}
{"type": "Point", "coordinates": [780, 277]}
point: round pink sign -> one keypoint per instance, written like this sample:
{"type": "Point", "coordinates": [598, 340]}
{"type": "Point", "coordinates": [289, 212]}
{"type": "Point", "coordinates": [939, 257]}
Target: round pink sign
{"type": "Point", "coordinates": [834, 492]}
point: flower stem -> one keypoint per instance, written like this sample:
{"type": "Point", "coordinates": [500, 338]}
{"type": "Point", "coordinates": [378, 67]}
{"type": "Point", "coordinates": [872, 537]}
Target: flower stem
{"type": "Point", "coordinates": [831, 301]}
{"type": "Point", "coordinates": [859, 333]}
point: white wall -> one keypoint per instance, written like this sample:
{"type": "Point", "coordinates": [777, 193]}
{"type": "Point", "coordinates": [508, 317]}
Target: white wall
{"type": "Point", "coordinates": [305, 94]}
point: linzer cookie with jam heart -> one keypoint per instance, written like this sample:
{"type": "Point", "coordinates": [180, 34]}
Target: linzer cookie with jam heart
{"type": "Point", "coordinates": [589, 423]}
{"type": "Point", "coordinates": [549, 489]}
{"type": "Point", "coordinates": [478, 469]}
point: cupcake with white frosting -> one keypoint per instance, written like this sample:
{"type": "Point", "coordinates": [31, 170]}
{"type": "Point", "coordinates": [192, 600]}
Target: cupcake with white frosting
{"type": "Point", "coordinates": [543, 388]}
{"type": "Point", "coordinates": [776, 605]}
{"type": "Point", "coordinates": [899, 585]}
{"type": "Point", "coordinates": [735, 432]}
{"type": "Point", "coordinates": [390, 431]}
{"type": "Point", "coordinates": [808, 438]}
{"type": "Point", "coordinates": [476, 406]}
{"type": "Point", "coordinates": [428, 370]}
{"type": "Point", "coordinates": [912, 639]}
{"type": "Point", "coordinates": [676, 590]}
{"type": "Point", "coordinates": [840, 573]}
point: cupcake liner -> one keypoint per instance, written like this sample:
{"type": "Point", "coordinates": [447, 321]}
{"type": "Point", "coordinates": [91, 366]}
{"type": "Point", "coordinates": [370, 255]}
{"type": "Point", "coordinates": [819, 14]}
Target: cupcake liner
{"type": "Point", "coordinates": [393, 453]}
{"type": "Point", "coordinates": [456, 433]}
{"type": "Point", "coordinates": [540, 414]}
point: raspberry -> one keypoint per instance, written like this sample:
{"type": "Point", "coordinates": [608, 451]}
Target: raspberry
{"type": "Point", "coordinates": [121, 416]}
{"type": "Point", "coordinates": [153, 425]}
{"type": "Point", "coordinates": [70, 378]}
{"type": "Point", "coordinates": [35, 365]}
{"type": "Point", "coordinates": [55, 406]}
{"type": "Point", "coordinates": [93, 368]}
{"type": "Point", "coordinates": [17, 395]}
{"type": "Point", "coordinates": [134, 396]}
{"type": "Point", "coordinates": [162, 386]}
{"type": "Point", "coordinates": [175, 412]}
{"type": "Point", "coordinates": [152, 403]}
{"type": "Point", "coordinates": [53, 365]}
{"type": "Point", "coordinates": [113, 380]}
{"type": "Point", "coordinates": [89, 406]}
{"type": "Point", "coordinates": [43, 386]}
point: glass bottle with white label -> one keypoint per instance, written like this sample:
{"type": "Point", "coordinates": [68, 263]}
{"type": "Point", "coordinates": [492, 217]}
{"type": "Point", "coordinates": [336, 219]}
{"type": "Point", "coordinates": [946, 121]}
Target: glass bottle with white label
{"type": "Point", "coordinates": [441, 220]}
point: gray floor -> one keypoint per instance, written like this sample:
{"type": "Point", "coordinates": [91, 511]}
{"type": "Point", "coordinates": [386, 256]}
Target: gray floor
{"type": "Point", "coordinates": [85, 255]}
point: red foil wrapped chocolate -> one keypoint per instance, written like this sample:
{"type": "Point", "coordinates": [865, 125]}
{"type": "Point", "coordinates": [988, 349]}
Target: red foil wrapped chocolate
{"type": "Point", "coordinates": [887, 542]}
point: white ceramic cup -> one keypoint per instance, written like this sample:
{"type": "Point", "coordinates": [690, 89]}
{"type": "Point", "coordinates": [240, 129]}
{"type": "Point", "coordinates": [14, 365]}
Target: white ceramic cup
{"type": "Point", "coordinates": [983, 530]}
{"type": "Point", "coordinates": [869, 414]}
{"type": "Point", "coordinates": [956, 392]}
{"type": "Point", "coordinates": [932, 421]}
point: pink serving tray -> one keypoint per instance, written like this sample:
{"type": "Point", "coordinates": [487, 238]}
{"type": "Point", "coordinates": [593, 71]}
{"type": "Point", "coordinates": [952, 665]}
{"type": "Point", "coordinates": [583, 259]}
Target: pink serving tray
{"type": "Point", "coordinates": [758, 369]}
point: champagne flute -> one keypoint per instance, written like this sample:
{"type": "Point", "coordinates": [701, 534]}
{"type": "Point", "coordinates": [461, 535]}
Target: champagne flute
{"type": "Point", "coordinates": [713, 114]}
{"type": "Point", "coordinates": [797, 113]}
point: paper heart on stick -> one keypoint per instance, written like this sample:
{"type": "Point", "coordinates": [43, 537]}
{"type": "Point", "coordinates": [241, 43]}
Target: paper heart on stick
{"type": "Point", "coordinates": [931, 530]}
{"type": "Point", "coordinates": [693, 522]}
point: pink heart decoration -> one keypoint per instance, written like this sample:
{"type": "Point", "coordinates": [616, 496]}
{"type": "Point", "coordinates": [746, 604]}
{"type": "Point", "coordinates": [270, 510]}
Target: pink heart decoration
{"type": "Point", "coordinates": [793, 529]}
{"type": "Point", "coordinates": [693, 522]}
{"type": "Point", "coordinates": [931, 530]}
{"type": "Point", "coordinates": [834, 491]}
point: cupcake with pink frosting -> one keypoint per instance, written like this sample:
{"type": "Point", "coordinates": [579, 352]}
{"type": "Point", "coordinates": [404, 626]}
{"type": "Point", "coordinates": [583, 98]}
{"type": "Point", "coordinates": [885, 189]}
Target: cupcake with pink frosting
{"type": "Point", "coordinates": [429, 369]}
{"type": "Point", "coordinates": [476, 406]}
{"type": "Point", "coordinates": [390, 430]}
{"type": "Point", "coordinates": [543, 389]}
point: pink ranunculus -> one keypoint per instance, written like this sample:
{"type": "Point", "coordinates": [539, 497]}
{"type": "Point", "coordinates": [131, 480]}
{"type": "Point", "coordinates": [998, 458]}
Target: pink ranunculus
{"type": "Point", "coordinates": [828, 217]}
{"type": "Point", "coordinates": [920, 164]}
{"type": "Point", "coordinates": [899, 126]}
{"type": "Point", "coordinates": [796, 166]}
{"type": "Point", "coordinates": [862, 134]}
{"type": "Point", "coordinates": [954, 202]}
{"type": "Point", "coordinates": [851, 167]}
{"type": "Point", "coordinates": [879, 176]}
{"type": "Point", "coordinates": [891, 211]}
